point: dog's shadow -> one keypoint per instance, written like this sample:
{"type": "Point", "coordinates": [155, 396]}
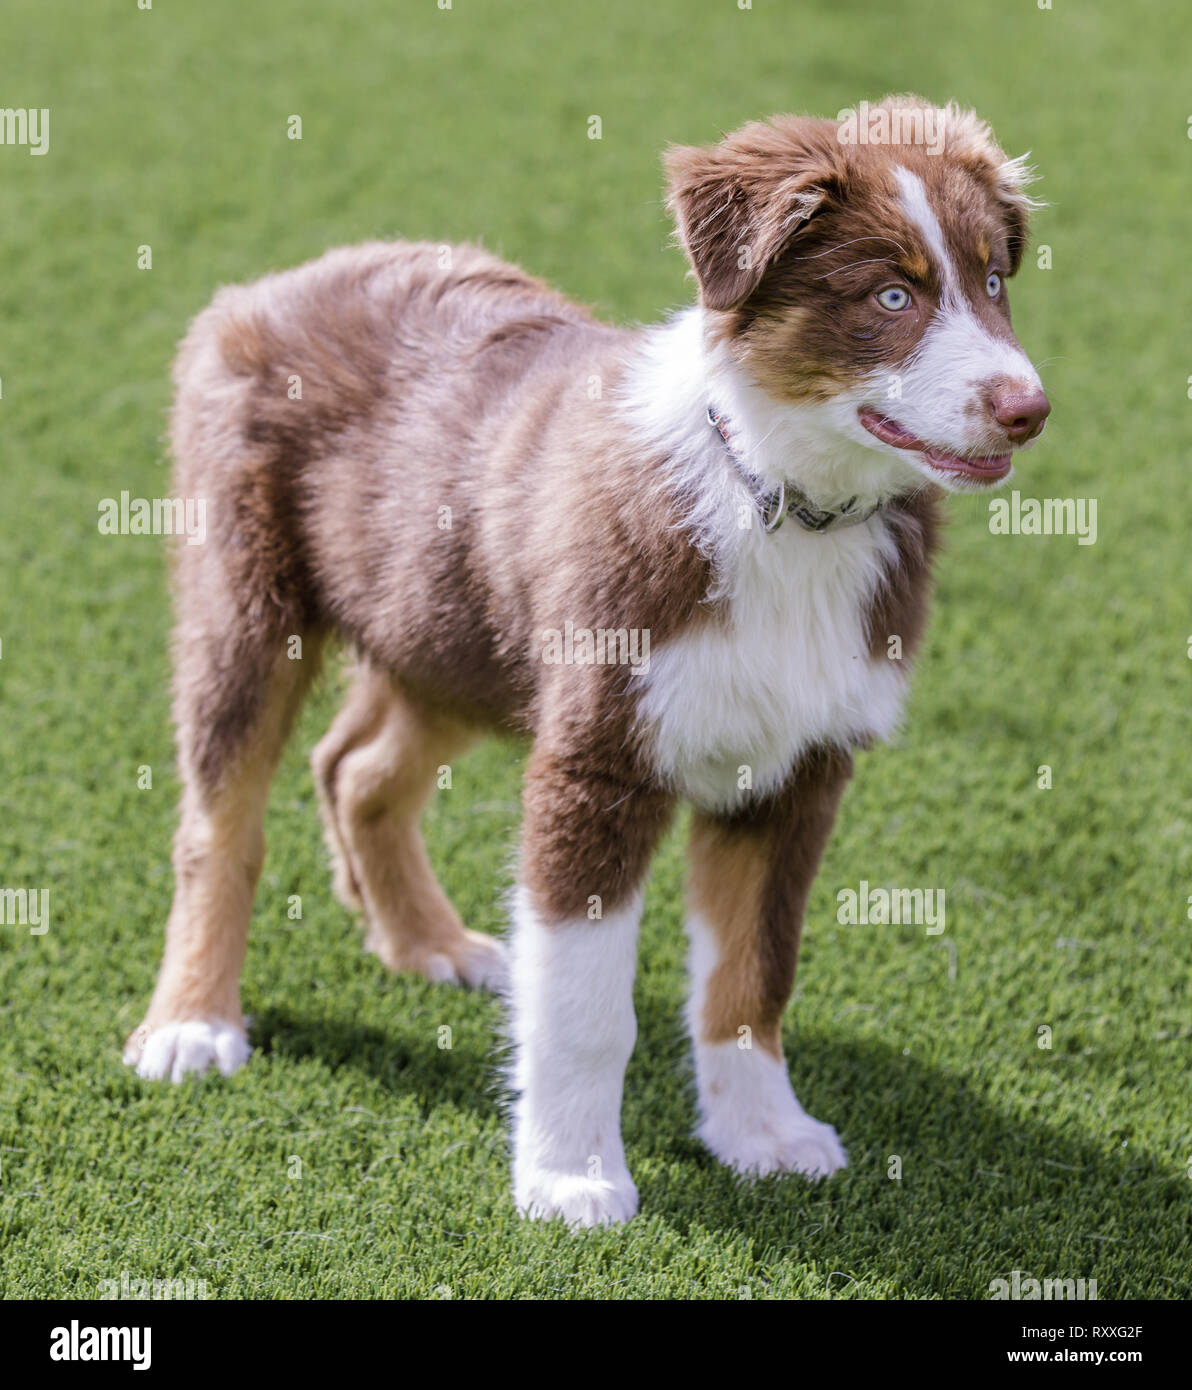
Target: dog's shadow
{"type": "Point", "coordinates": [945, 1192]}
{"type": "Point", "coordinates": [403, 1063]}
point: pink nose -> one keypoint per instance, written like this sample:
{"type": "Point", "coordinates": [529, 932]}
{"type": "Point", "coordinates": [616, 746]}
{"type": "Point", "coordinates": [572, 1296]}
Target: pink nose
{"type": "Point", "coordinates": [1020, 410]}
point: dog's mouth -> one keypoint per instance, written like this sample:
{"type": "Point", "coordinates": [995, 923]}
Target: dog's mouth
{"type": "Point", "coordinates": [983, 468]}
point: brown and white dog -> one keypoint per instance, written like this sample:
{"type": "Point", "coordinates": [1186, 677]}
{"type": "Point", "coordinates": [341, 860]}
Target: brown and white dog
{"type": "Point", "coordinates": [524, 519]}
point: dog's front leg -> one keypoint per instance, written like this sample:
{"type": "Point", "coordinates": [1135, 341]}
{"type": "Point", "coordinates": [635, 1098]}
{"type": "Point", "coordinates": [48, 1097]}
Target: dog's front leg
{"type": "Point", "coordinates": [587, 842]}
{"type": "Point", "coordinates": [750, 876]}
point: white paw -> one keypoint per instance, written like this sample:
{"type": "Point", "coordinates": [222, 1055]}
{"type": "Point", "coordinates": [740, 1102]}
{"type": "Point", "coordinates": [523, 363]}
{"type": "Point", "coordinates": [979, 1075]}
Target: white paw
{"type": "Point", "coordinates": [752, 1120]}
{"type": "Point", "coordinates": [792, 1144]}
{"type": "Point", "coordinates": [580, 1201]}
{"type": "Point", "coordinates": [176, 1050]}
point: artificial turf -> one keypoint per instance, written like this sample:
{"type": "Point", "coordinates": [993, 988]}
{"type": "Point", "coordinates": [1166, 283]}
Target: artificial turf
{"type": "Point", "coordinates": [356, 1155]}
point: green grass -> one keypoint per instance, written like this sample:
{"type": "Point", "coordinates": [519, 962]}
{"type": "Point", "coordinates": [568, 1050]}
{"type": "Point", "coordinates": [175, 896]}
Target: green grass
{"type": "Point", "coordinates": [1068, 907]}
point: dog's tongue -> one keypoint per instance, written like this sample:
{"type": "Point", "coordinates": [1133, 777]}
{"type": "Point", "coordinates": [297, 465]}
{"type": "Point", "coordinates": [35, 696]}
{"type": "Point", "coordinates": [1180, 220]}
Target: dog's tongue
{"type": "Point", "coordinates": [997, 466]}
{"type": "Point", "coordinates": [891, 432]}
{"type": "Point", "coordinates": [901, 438]}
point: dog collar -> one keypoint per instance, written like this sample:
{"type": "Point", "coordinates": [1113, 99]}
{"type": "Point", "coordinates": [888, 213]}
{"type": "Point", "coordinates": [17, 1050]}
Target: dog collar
{"type": "Point", "coordinates": [776, 504]}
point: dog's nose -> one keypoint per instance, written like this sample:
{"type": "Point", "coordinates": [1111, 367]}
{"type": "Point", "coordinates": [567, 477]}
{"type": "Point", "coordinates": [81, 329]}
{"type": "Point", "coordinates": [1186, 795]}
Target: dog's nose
{"type": "Point", "coordinates": [1020, 410]}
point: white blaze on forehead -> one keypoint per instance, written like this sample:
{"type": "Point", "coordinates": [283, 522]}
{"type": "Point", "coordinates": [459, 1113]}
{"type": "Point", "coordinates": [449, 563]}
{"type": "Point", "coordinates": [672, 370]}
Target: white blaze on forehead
{"type": "Point", "coordinates": [919, 212]}
{"type": "Point", "coordinates": [958, 355]}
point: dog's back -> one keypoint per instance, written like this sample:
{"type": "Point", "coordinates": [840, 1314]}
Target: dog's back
{"type": "Point", "coordinates": [341, 420]}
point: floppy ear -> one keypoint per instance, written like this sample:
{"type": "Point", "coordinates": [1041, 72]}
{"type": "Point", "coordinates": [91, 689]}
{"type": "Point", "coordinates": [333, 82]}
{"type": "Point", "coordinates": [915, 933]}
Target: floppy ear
{"type": "Point", "coordinates": [738, 203]}
{"type": "Point", "coordinates": [971, 140]}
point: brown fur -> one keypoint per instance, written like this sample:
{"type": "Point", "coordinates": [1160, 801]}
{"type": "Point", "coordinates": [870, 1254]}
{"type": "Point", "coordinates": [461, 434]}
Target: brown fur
{"type": "Point", "coordinates": [751, 874]}
{"type": "Point", "coordinates": [899, 607]}
{"type": "Point", "coordinates": [374, 771]}
{"type": "Point", "coordinates": [476, 378]}
{"type": "Point", "coordinates": [821, 228]}
{"type": "Point", "coordinates": [218, 854]}
{"type": "Point", "coordinates": [405, 451]}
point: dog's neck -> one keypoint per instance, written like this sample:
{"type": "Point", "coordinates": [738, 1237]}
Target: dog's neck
{"type": "Point", "coordinates": [681, 371]}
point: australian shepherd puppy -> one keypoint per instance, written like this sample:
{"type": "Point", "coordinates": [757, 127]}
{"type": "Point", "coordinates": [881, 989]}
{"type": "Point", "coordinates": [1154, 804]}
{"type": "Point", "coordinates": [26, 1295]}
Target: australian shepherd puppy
{"type": "Point", "coordinates": [691, 561]}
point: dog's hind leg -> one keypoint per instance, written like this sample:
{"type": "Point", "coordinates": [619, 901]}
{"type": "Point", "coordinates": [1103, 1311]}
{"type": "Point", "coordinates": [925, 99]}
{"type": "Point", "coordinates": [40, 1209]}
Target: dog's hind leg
{"type": "Point", "coordinates": [356, 724]}
{"type": "Point", "coordinates": [236, 696]}
{"type": "Point", "coordinates": [375, 770]}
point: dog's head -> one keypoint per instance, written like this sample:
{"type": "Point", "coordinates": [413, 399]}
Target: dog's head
{"type": "Point", "coordinates": [860, 265]}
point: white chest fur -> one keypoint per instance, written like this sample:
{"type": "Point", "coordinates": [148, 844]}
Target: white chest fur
{"type": "Point", "coordinates": [730, 705]}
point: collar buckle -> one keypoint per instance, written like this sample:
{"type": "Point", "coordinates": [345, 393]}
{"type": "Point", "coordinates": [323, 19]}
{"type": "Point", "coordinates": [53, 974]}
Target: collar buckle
{"type": "Point", "coordinates": [779, 503]}
{"type": "Point", "coordinates": [773, 507]}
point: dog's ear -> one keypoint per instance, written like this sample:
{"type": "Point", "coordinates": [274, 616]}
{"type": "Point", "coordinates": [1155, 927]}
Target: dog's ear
{"type": "Point", "coordinates": [738, 203]}
{"type": "Point", "coordinates": [1011, 180]}
{"type": "Point", "coordinates": [970, 140]}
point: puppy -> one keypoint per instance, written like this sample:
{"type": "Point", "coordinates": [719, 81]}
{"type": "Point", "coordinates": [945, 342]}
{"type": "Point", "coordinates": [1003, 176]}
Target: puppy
{"type": "Point", "coordinates": [692, 562]}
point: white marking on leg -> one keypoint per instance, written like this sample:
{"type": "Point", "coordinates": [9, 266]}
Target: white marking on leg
{"type": "Point", "coordinates": [750, 1117]}
{"type": "Point", "coordinates": [178, 1050]}
{"type": "Point", "coordinates": [573, 1031]}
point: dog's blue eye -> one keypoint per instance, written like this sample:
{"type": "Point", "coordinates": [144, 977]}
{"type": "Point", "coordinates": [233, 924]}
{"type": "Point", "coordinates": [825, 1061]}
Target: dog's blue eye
{"type": "Point", "coordinates": [993, 286]}
{"type": "Point", "coordinates": [894, 298]}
